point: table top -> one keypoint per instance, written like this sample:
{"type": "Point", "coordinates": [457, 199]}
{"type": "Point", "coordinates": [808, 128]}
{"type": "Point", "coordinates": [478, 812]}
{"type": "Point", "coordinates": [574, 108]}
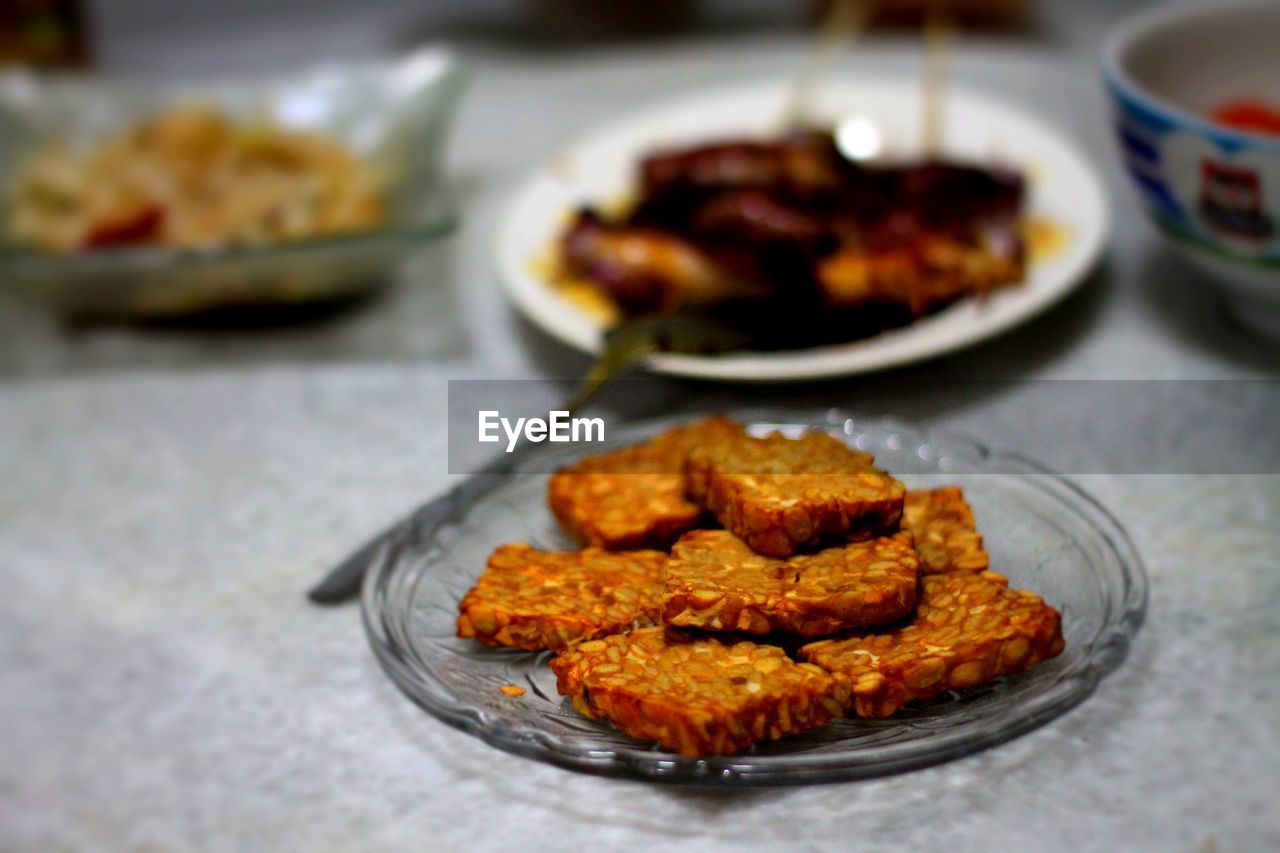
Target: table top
{"type": "Point", "coordinates": [167, 498]}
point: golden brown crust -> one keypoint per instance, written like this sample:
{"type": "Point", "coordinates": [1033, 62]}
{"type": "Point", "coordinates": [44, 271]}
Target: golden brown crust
{"type": "Point", "coordinates": [782, 495]}
{"type": "Point", "coordinates": [696, 695]}
{"type": "Point", "coordinates": [633, 498]}
{"type": "Point", "coordinates": [946, 537]}
{"type": "Point", "coordinates": [535, 599]}
{"type": "Point", "coordinates": [969, 628]}
{"type": "Point", "coordinates": [934, 270]}
{"type": "Point", "coordinates": [715, 582]}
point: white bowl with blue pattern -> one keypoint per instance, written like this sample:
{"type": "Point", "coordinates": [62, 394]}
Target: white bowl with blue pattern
{"type": "Point", "coordinates": [1214, 190]}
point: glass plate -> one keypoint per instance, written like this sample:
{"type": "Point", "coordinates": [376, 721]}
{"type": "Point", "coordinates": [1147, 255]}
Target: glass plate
{"type": "Point", "coordinates": [394, 113]}
{"type": "Point", "coordinates": [1044, 533]}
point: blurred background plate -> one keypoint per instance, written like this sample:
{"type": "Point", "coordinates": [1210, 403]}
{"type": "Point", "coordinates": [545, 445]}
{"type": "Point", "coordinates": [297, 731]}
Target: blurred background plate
{"type": "Point", "coordinates": [1064, 189]}
{"type": "Point", "coordinates": [394, 114]}
{"type": "Point", "coordinates": [1043, 533]}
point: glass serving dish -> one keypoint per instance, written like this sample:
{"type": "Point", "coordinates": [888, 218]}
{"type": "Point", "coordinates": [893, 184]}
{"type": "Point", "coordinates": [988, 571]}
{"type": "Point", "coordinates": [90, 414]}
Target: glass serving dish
{"type": "Point", "coordinates": [1044, 533]}
{"type": "Point", "coordinates": [394, 114]}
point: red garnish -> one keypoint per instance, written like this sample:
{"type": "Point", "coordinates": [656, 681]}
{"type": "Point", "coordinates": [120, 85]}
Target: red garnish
{"type": "Point", "coordinates": [138, 227]}
{"type": "Point", "coordinates": [1251, 114]}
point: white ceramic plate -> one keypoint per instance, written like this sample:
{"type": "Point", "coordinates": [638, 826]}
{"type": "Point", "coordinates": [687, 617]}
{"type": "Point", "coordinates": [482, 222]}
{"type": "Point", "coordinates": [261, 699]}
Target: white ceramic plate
{"type": "Point", "coordinates": [1063, 188]}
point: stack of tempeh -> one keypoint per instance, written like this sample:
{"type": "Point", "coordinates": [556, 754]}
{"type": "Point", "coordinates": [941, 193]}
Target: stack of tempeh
{"type": "Point", "coordinates": [882, 595]}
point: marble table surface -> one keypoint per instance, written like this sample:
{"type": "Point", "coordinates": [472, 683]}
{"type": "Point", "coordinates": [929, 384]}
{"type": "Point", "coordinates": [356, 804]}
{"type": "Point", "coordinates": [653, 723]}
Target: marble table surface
{"type": "Point", "coordinates": [165, 499]}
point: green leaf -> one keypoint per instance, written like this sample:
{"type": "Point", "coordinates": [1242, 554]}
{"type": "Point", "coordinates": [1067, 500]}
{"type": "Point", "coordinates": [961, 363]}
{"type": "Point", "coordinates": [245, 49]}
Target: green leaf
{"type": "Point", "coordinates": [633, 341]}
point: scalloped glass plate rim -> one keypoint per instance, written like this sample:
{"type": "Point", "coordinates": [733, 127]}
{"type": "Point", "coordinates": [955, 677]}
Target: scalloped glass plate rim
{"type": "Point", "coordinates": [384, 581]}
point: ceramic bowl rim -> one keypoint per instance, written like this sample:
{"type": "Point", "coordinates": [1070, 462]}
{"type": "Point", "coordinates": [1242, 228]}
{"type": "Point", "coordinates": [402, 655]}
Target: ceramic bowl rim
{"type": "Point", "coordinates": [1146, 24]}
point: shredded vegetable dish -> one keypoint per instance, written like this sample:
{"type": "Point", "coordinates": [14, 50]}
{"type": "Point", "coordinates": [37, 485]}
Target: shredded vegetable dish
{"type": "Point", "coordinates": [192, 178]}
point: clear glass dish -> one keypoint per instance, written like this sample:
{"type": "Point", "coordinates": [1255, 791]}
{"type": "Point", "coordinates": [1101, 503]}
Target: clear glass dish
{"type": "Point", "coordinates": [394, 114]}
{"type": "Point", "coordinates": [1044, 533]}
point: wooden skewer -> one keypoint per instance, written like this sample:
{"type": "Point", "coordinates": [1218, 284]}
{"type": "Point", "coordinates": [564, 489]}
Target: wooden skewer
{"type": "Point", "coordinates": [844, 21]}
{"type": "Point", "coordinates": [938, 36]}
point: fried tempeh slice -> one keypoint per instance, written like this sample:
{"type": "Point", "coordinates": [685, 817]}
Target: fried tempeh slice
{"type": "Point", "coordinates": [698, 695]}
{"type": "Point", "coordinates": [782, 495]}
{"type": "Point", "coordinates": [535, 599]}
{"type": "Point", "coordinates": [634, 498]}
{"type": "Point", "coordinates": [946, 537]}
{"type": "Point", "coordinates": [969, 628]}
{"type": "Point", "coordinates": [715, 582]}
